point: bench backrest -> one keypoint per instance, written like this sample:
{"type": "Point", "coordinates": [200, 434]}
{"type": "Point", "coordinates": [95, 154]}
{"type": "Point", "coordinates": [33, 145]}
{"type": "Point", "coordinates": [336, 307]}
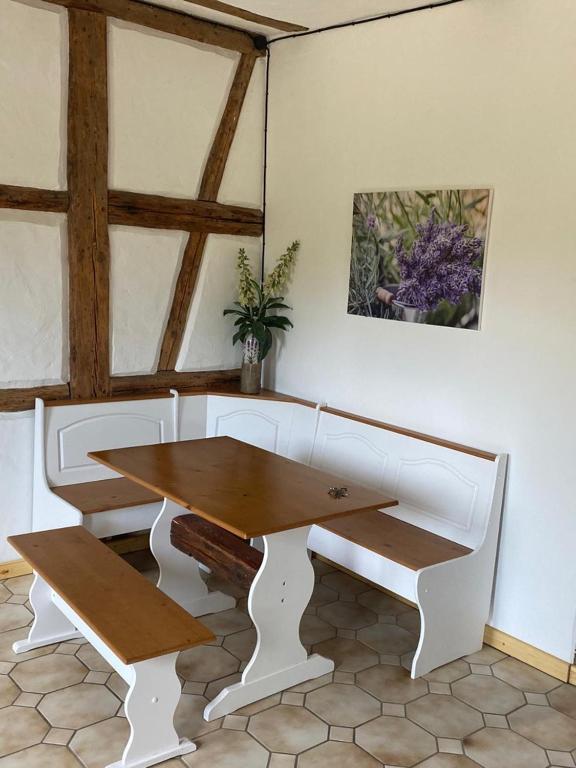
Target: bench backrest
{"type": "Point", "coordinates": [65, 433]}
{"type": "Point", "coordinates": [443, 488]}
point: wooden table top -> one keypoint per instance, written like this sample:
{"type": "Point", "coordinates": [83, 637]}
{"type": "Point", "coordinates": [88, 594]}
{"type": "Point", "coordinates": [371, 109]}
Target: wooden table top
{"type": "Point", "coordinates": [246, 490]}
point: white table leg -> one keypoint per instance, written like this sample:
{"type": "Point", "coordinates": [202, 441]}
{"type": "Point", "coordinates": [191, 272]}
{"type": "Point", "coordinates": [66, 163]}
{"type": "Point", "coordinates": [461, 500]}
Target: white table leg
{"type": "Point", "coordinates": [278, 597]}
{"type": "Point", "coordinates": [179, 573]}
{"type": "Point", "coordinates": [50, 625]}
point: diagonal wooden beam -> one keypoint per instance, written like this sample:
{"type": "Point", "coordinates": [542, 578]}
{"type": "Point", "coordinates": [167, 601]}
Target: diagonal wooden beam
{"type": "Point", "coordinates": [211, 180]}
{"type": "Point", "coordinates": [245, 15]}
{"type": "Point", "coordinates": [33, 199]}
{"type": "Point", "coordinates": [88, 246]}
{"type": "Point", "coordinates": [159, 212]}
{"type": "Point", "coordinates": [172, 22]}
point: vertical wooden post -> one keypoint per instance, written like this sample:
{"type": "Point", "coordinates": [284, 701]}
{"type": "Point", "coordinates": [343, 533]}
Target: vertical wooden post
{"type": "Point", "coordinates": [88, 244]}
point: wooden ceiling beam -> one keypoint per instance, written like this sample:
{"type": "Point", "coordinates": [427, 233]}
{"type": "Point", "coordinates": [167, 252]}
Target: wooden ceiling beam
{"type": "Point", "coordinates": [159, 212]}
{"type": "Point", "coordinates": [169, 21]}
{"type": "Point", "coordinates": [209, 187]}
{"type": "Point", "coordinates": [33, 199]}
{"type": "Point", "coordinates": [245, 15]}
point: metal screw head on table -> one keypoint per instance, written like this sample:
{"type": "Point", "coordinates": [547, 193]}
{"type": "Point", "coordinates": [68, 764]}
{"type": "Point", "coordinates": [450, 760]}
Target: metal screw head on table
{"type": "Point", "coordinates": [338, 493]}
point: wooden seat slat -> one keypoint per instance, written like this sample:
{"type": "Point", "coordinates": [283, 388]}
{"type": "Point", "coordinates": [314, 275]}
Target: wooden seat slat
{"type": "Point", "coordinates": [105, 495]}
{"type": "Point", "coordinates": [396, 540]}
{"type": "Point", "coordinates": [228, 556]}
{"type": "Point", "coordinates": [129, 614]}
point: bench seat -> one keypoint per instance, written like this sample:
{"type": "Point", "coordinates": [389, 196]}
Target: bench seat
{"type": "Point", "coordinates": [228, 556]}
{"type": "Point", "coordinates": [83, 588]}
{"type": "Point", "coordinates": [396, 540]}
{"type": "Point", "coordinates": [104, 495]}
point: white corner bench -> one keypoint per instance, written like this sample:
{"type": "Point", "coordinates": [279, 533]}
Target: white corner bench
{"type": "Point", "coordinates": [71, 489]}
{"type": "Point", "coordinates": [82, 588]}
{"type": "Point", "coordinates": [437, 548]}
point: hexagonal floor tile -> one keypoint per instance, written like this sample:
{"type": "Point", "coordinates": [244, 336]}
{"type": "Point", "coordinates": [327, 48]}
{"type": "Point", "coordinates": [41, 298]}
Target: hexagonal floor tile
{"type": "Point", "coordinates": [227, 749]}
{"type": "Point", "coordinates": [93, 660]}
{"type": "Point", "coordinates": [444, 716]}
{"type": "Point", "coordinates": [388, 639]}
{"type": "Point", "coordinates": [189, 718]}
{"type": "Point", "coordinates": [7, 639]}
{"type": "Point", "coordinates": [500, 748]}
{"type": "Point", "coordinates": [214, 688]}
{"type": "Point", "coordinates": [564, 699]}
{"type": "Point", "coordinates": [20, 585]}
{"type": "Point", "coordinates": [8, 691]}
{"type": "Point", "coordinates": [49, 673]}
{"type": "Point", "coordinates": [449, 672]}
{"type": "Point", "coordinates": [206, 663]}
{"type": "Point", "coordinates": [227, 622]}
{"type": "Point", "coordinates": [392, 684]}
{"type": "Point", "coordinates": [13, 616]}
{"type": "Point", "coordinates": [241, 644]}
{"type": "Point", "coordinates": [117, 685]}
{"type": "Point", "coordinates": [347, 615]}
{"type": "Point", "coordinates": [288, 729]}
{"type": "Point", "coordinates": [448, 761]}
{"type": "Point", "coordinates": [20, 727]}
{"type": "Point", "coordinates": [322, 595]}
{"type": "Point", "coordinates": [338, 755]}
{"type": "Point", "coordinates": [314, 630]}
{"type": "Point", "coordinates": [347, 655]}
{"type": "Point", "coordinates": [4, 593]}
{"type": "Point", "coordinates": [410, 621]}
{"type": "Point", "coordinates": [102, 743]}
{"type": "Point", "coordinates": [547, 727]}
{"type": "Point", "coordinates": [396, 741]}
{"type": "Point", "coordinates": [382, 603]}
{"type": "Point", "coordinates": [346, 705]}
{"type": "Point", "coordinates": [41, 756]}
{"type": "Point", "coordinates": [487, 693]}
{"type": "Point", "coordinates": [79, 705]}
{"type": "Point", "coordinates": [343, 584]}
{"type": "Point", "coordinates": [522, 676]}
{"type": "Point", "coordinates": [486, 655]}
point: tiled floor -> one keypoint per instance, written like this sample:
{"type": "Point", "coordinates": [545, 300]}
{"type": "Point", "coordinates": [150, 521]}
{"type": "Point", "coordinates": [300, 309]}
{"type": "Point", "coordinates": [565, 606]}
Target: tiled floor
{"type": "Point", "coordinates": [62, 706]}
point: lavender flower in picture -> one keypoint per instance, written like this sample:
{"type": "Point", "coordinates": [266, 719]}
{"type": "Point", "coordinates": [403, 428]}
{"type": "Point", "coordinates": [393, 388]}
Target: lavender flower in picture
{"type": "Point", "coordinates": [419, 256]}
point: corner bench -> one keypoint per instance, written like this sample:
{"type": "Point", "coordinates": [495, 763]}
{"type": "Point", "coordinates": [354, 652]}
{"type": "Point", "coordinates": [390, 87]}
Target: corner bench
{"type": "Point", "coordinates": [81, 588]}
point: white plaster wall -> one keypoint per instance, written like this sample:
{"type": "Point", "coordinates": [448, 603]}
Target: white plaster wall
{"type": "Point", "coordinates": [16, 461]}
{"type": "Point", "coordinates": [32, 94]}
{"type": "Point", "coordinates": [33, 299]}
{"type": "Point", "coordinates": [207, 339]}
{"type": "Point", "coordinates": [144, 266]}
{"type": "Point", "coordinates": [475, 94]}
{"type": "Point", "coordinates": [166, 99]}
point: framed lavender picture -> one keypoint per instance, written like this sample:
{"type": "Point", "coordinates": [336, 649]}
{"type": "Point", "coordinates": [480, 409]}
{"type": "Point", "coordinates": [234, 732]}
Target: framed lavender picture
{"type": "Point", "coordinates": [419, 256]}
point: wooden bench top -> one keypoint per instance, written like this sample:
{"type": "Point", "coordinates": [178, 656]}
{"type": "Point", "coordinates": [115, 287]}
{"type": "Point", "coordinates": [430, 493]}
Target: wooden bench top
{"type": "Point", "coordinates": [104, 495]}
{"type": "Point", "coordinates": [131, 616]}
{"type": "Point", "coordinates": [246, 490]}
{"type": "Point", "coordinates": [401, 542]}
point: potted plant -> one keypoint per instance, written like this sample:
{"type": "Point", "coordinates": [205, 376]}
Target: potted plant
{"type": "Point", "coordinates": [257, 316]}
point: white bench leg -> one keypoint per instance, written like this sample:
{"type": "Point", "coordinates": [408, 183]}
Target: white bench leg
{"type": "Point", "coordinates": [150, 706]}
{"type": "Point", "coordinates": [454, 602]}
{"type": "Point", "coordinates": [278, 596]}
{"type": "Point", "coordinates": [50, 625]}
{"type": "Point", "coordinates": [179, 574]}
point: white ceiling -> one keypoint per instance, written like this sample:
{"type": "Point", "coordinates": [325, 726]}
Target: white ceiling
{"type": "Point", "coordinates": [309, 13]}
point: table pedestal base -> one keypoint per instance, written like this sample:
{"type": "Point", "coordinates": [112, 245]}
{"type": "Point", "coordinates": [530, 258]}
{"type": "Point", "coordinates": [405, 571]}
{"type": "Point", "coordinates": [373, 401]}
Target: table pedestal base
{"type": "Point", "coordinates": [278, 597]}
{"type": "Point", "coordinates": [179, 573]}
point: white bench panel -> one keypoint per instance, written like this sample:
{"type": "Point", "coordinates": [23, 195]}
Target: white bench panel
{"type": "Point", "coordinates": [71, 431]}
{"type": "Point", "coordinates": [440, 489]}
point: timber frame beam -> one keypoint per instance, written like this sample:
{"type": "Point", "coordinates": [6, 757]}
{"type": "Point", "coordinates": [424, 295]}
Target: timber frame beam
{"type": "Point", "coordinates": [91, 206]}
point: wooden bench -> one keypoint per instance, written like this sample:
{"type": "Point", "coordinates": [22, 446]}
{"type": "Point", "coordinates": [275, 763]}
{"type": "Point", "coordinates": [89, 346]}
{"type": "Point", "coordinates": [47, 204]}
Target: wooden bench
{"type": "Point", "coordinates": [81, 588]}
{"type": "Point", "coordinates": [70, 489]}
{"type": "Point", "coordinates": [437, 548]}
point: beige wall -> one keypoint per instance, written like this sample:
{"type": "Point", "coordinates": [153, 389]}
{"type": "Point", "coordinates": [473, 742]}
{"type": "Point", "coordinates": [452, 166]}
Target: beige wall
{"type": "Point", "coordinates": [476, 94]}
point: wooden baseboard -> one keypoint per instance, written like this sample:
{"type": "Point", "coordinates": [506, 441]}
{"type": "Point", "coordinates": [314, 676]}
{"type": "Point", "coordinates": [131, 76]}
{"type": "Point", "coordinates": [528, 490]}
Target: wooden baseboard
{"type": "Point", "coordinates": [13, 568]}
{"type": "Point", "coordinates": [518, 649]}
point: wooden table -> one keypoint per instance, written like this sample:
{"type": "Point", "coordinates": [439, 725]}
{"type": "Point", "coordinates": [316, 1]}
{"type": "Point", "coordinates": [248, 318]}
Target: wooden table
{"type": "Point", "coordinates": [251, 493]}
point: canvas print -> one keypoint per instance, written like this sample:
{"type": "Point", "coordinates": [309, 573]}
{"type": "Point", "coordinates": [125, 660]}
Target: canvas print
{"type": "Point", "coordinates": [419, 256]}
